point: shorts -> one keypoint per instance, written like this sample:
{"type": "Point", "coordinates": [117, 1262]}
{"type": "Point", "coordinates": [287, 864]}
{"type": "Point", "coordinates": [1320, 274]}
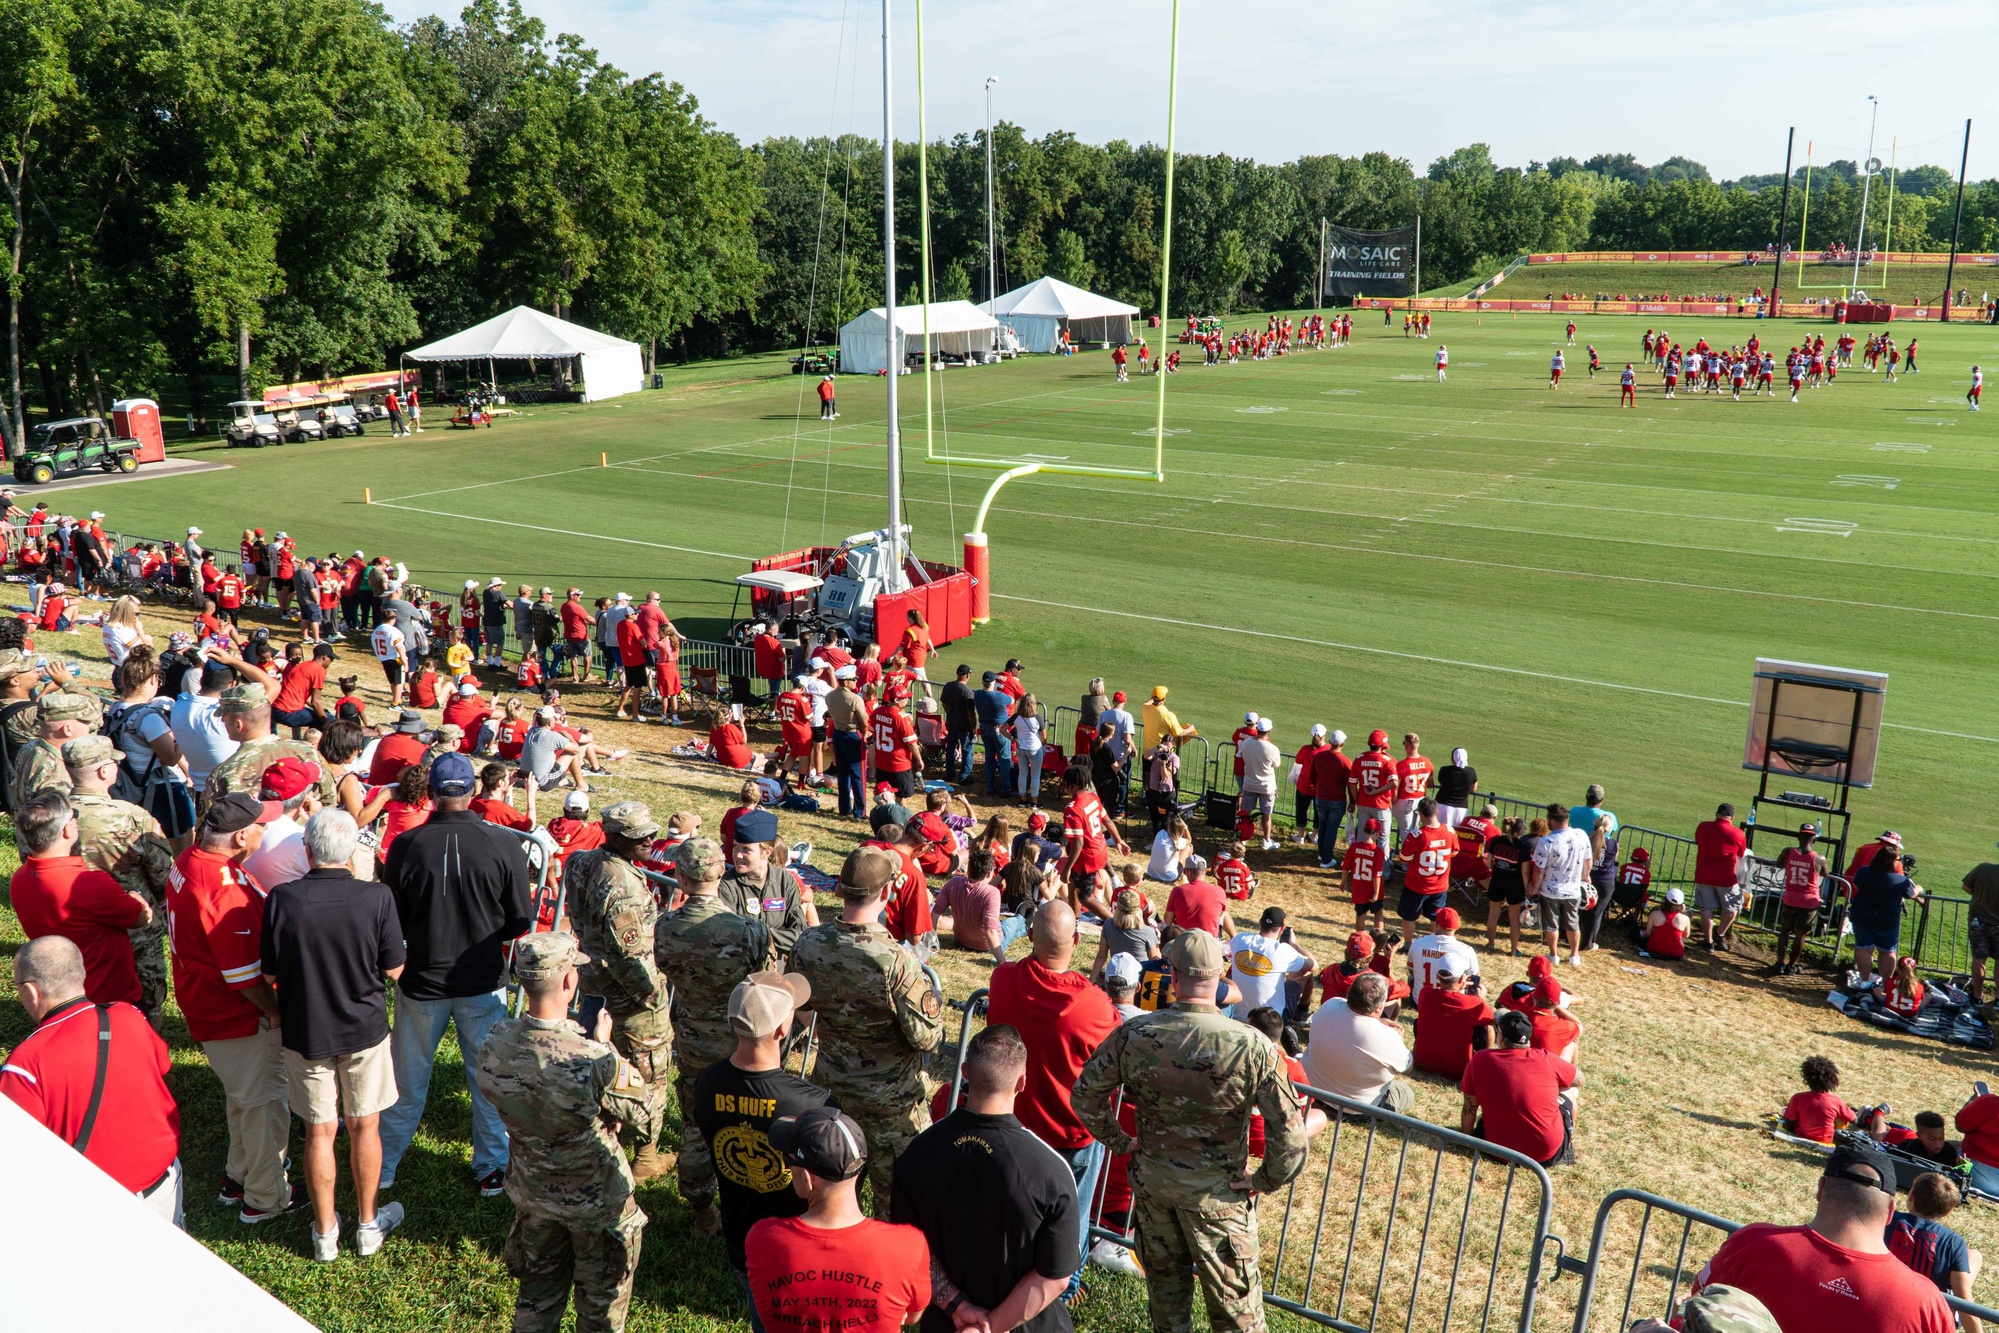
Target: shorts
{"type": "Point", "coordinates": [904, 781]}
{"type": "Point", "coordinates": [310, 614]}
{"type": "Point", "coordinates": [321, 1091]}
{"type": "Point", "coordinates": [575, 648]}
{"type": "Point", "coordinates": [819, 733]}
{"type": "Point", "coordinates": [1512, 894]}
{"type": "Point", "coordinates": [1796, 920]}
{"type": "Point", "coordinates": [393, 670]}
{"type": "Point", "coordinates": [1873, 937]}
{"type": "Point", "coordinates": [1712, 898]}
{"type": "Point", "coordinates": [1561, 915]}
{"type": "Point", "coordinates": [1255, 802]}
{"type": "Point", "coordinates": [1084, 882]}
{"type": "Point", "coordinates": [1984, 938]}
{"type": "Point", "coordinates": [636, 676]}
{"type": "Point", "coordinates": [1412, 905]}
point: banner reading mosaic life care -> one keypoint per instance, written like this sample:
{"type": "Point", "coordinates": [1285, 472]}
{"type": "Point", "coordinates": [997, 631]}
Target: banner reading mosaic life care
{"type": "Point", "coordinates": [1370, 263]}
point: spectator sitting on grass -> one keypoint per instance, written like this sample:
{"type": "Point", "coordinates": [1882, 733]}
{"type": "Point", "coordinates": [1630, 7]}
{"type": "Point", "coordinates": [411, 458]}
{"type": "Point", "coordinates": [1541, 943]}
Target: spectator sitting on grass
{"type": "Point", "coordinates": [1356, 1048]}
{"type": "Point", "coordinates": [1818, 1112]}
{"type": "Point", "coordinates": [973, 902]}
{"type": "Point", "coordinates": [1513, 1095]}
{"type": "Point", "coordinates": [1920, 1239]}
{"type": "Point", "coordinates": [548, 757]}
{"type": "Point", "coordinates": [1928, 1140]}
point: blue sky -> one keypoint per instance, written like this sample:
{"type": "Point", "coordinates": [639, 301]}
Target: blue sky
{"type": "Point", "coordinates": [1715, 80]}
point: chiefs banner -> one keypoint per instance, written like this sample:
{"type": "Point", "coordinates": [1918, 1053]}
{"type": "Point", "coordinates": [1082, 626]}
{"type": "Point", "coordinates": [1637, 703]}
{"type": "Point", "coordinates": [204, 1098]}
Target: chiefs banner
{"type": "Point", "coordinates": [1370, 263]}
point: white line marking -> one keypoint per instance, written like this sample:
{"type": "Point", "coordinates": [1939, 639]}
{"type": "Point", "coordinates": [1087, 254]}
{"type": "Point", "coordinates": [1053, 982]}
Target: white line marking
{"type": "Point", "coordinates": [562, 532]}
{"type": "Point", "coordinates": [1866, 479]}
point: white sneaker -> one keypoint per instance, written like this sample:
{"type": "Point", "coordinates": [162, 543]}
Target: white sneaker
{"type": "Point", "coordinates": [368, 1236]}
{"type": "Point", "coordinates": [326, 1248]}
{"type": "Point", "coordinates": [1575, 960]}
{"type": "Point", "coordinates": [1270, 844]}
{"type": "Point", "coordinates": [1116, 1258]}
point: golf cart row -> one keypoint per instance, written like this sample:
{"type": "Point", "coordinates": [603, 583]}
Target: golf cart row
{"type": "Point", "coordinates": [253, 423]}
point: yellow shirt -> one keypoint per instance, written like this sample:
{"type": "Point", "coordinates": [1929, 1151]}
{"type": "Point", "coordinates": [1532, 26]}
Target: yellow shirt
{"type": "Point", "coordinates": [459, 658]}
{"type": "Point", "coordinates": [1159, 723]}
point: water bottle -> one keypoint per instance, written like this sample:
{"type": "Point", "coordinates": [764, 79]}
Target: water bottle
{"type": "Point", "coordinates": [1751, 821]}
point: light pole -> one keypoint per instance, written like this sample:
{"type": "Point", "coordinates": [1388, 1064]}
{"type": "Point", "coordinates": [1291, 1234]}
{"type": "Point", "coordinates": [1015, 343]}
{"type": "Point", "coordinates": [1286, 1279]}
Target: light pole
{"type": "Point", "coordinates": [1866, 181]}
{"type": "Point", "coordinates": [992, 290]}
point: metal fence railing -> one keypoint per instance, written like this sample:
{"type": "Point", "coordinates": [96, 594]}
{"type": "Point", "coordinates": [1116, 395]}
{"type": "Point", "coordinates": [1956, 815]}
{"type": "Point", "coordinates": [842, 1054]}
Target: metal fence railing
{"type": "Point", "coordinates": [1655, 1279]}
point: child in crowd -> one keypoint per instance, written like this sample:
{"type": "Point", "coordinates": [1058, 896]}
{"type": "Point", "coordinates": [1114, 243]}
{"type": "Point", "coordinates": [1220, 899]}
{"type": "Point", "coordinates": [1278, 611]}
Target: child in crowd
{"type": "Point", "coordinates": [1362, 868]}
{"type": "Point", "coordinates": [1818, 1112]}
{"type": "Point", "coordinates": [528, 675]}
{"type": "Point", "coordinates": [1233, 874]}
{"type": "Point", "coordinates": [1904, 992]}
{"type": "Point", "coordinates": [458, 655]}
{"type": "Point", "coordinates": [423, 684]}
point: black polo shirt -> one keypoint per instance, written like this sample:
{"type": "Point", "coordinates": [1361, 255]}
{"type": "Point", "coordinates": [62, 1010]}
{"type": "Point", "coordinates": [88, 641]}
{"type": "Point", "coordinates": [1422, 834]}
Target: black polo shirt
{"type": "Point", "coordinates": [328, 937]}
{"type": "Point", "coordinates": [996, 1204]}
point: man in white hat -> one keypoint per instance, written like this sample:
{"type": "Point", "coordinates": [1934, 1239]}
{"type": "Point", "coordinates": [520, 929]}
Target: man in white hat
{"type": "Point", "coordinates": [1259, 778]}
{"type": "Point", "coordinates": [827, 410]}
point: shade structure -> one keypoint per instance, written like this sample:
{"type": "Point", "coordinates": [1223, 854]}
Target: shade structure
{"type": "Point", "coordinates": [957, 328]}
{"type": "Point", "coordinates": [1038, 312]}
{"type": "Point", "coordinates": [611, 366]}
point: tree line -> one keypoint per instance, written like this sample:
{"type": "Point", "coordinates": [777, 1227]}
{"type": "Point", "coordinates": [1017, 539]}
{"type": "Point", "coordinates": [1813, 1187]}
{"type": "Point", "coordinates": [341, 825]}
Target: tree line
{"type": "Point", "coordinates": [198, 197]}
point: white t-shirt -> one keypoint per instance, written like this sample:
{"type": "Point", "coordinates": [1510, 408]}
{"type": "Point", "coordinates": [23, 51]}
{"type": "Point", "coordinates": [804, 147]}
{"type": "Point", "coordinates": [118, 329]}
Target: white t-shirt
{"type": "Point", "coordinates": [387, 642]}
{"type": "Point", "coordinates": [1258, 966]}
{"type": "Point", "coordinates": [198, 731]}
{"type": "Point", "coordinates": [1164, 865]}
{"type": "Point", "coordinates": [1561, 856]}
{"type": "Point", "coordinates": [1354, 1055]}
{"type": "Point", "coordinates": [281, 859]}
{"type": "Point", "coordinates": [817, 690]}
{"type": "Point", "coordinates": [1027, 735]}
{"type": "Point", "coordinates": [1430, 955]}
{"type": "Point", "coordinates": [118, 641]}
{"type": "Point", "coordinates": [1259, 766]}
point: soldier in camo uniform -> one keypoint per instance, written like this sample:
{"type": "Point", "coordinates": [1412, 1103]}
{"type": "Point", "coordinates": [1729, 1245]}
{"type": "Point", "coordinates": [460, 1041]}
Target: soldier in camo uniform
{"type": "Point", "coordinates": [877, 1015]}
{"type": "Point", "coordinates": [22, 684]}
{"type": "Point", "coordinates": [565, 1099]}
{"type": "Point", "coordinates": [705, 950]}
{"type": "Point", "coordinates": [125, 842]}
{"type": "Point", "coordinates": [38, 765]}
{"type": "Point", "coordinates": [612, 910]}
{"type": "Point", "coordinates": [1195, 1076]}
{"type": "Point", "coordinates": [245, 711]}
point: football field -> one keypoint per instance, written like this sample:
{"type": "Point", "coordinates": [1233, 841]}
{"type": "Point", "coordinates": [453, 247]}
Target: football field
{"type": "Point", "coordinates": [1571, 591]}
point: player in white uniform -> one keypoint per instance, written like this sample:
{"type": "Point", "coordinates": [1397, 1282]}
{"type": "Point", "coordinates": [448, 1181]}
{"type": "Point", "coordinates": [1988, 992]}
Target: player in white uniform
{"type": "Point", "coordinates": [1443, 360]}
{"type": "Point", "coordinates": [1977, 387]}
{"type": "Point", "coordinates": [1555, 368]}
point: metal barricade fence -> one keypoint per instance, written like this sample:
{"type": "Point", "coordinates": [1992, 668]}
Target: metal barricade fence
{"type": "Point", "coordinates": [1942, 940]}
{"type": "Point", "coordinates": [1654, 1289]}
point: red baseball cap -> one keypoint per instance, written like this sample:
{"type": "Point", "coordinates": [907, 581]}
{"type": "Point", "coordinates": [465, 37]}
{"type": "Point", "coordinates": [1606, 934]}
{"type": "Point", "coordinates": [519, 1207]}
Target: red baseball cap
{"type": "Point", "coordinates": [1539, 966]}
{"type": "Point", "coordinates": [1037, 821]}
{"type": "Point", "coordinates": [1372, 826]}
{"type": "Point", "coordinates": [1447, 918]}
{"type": "Point", "coordinates": [1360, 944]}
{"type": "Point", "coordinates": [1118, 698]}
{"type": "Point", "coordinates": [1377, 737]}
{"type": "Point", "coordinates": [288, 777]}
{"type": "Point", "coordinates": [1547, 992]}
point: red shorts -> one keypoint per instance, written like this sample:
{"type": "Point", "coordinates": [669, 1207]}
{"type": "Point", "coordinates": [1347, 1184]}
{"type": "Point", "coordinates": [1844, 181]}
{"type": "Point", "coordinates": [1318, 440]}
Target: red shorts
{"type": "Point", "coordinates": [1555, 375]}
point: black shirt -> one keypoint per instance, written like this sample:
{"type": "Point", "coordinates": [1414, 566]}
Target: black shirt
{"type": "Point", "coordinates": [328, 938]}
{"type": "Point", "coordinates": [959, 714]}
{"type": "Point", "coordinates": [734, 1108]}
{"type": "Point", "coordinates": [1455, 785]}
{"type": "Point", "coordinates": [996, 1204]}
{"type": "Point", "coordinates": [1507, 855]}
{"type": "Point", "coordinates": [461, 888]}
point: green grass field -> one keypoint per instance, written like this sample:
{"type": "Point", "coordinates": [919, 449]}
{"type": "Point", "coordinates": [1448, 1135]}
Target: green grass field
{"type": "Point", "coordinates": [1901, 283]}
{"type": "Point", "coordinates": [1573, 592]}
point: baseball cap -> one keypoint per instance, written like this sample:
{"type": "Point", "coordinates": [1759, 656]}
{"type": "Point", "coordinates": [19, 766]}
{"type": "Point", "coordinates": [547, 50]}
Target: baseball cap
{"type": "Point", "coordinates": [1159, 691]}
{"type": "Point", "coordinates": [867, 871]}
{"type": "Point", "coordinates": [1318, 731]}
{"type": "Point", "coordinates": [889, 813]}
{"type": "Point", "coordinates": [237, 811]}
{"type": "Point", "coordinates": [699, 859]}
{"type": "Point", "coordinates": [1124, 967]}
{"type": "Point", "coordinates": [1196, 953]}
{"type": "Point", "coordinates": [1547, 992]}
{"type": "Point", "coordinates": [1337, 737]}
{"type": "Point", "coordinates": [1540, 965]}
{"type": "Point", "coordinates": [1264, 725]}
{"type": "Point", "coordinates": [451, 775]}
{"type": "Point", "coordinates": [817, 664]}
{"type": "Point", "coordinates": [1848, 1155]}
{"type": "Point", "coordinates": [1447, 918]}
{"type": "Point", "coordinates": [762, 1001]}
{"type": "Point", "coordinates": [1360, 944]}
{"type": "Point", "coordinates": [576, 800]}
{"type": "Point", "coordinates": [1372, 826]}
{"type": "Point", "coordinates": [756, 826]}
{"type": "Point", "coordinates": [546, 954]}
{"type": "Point", "coordinates": [1808, 827]}
{"type": "Point", "coordinates": [288, 777]}
{"type": "Point", "coordinates": [1675, 897]}
{"type": "Point", "coordinates": [1037, 821]}
{"type": "Point", "coordinates": [1118, 698]}
{"type": "Point", "coordinates": [241, 699]}
{"type": "Point", "coordinates": [1272, 916]}
{"type": "Point", "coordinates": [1249, 719]}
{"type": "Point", "coordinates": [624, 597]}
{"type": "Point", "coordinates": [1196, 864]}
{"type": "Point", "coordinates": [824, 1141]}
{"type": "Point", "coordinates": [467, 689]}
{"type": "Point", "coordinates": [1725, 1309]}
{"type": "Point", "coordinates": [1377, 737]}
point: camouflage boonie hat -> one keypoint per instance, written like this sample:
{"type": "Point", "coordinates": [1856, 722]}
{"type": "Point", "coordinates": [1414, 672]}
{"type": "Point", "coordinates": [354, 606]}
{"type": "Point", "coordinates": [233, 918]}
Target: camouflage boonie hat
{"type": "Point", "coordinates": [68, 708]}
{"type": "Point", "coordinates": [700, 859]}
{"type": "Point", "coordinates": [549, 954]}
{"type": "Point", "coordinates": [1728, 1310]}
{"type": "Point", "coordinates": [243, 699]}
{"type": "Point", "coordinates": [14, 662]}
{"type": "Point", "coordinates": [89, 752]}
{"type": "Point", "coordinates": [630, 819]}
{"type": "Point", "coordinates": [450, 733]}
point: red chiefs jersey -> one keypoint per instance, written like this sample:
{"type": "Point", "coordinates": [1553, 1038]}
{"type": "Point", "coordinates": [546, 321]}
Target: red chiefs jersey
{"type": "Point", "coordinates": [1429, 852]}
{"type": "Point", "coordinates": [1363, 871]}
{"type": "Point", "coordinates": [794, 714]}
{"type": "Point", "coordinates": [1473, 834]}
{"type": "Point", "coordinates": [215, 920]}
{"type": "Point", "coordinates": [892, 731]}
{"type": "Point", "coordinates": [229, 592]}
{"type": "Point", "coordinates": [1801, 876]}
{"type": "Point", "coordinates": [1085, 822]}
{"type": "Point", "coordinates": [1374, 775]}
{"type": "Point", "coordinates": [1635, 875]}
{"type": "Point", "coordinates": [1234, 877]}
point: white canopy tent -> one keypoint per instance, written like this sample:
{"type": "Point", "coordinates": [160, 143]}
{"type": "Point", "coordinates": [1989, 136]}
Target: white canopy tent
{"type": "Point", "coordinates": [1038, 312]}
{"type": "Point", "coordinates": [611, 366]}
{"type": "Point", "coordinates": [957, 328]}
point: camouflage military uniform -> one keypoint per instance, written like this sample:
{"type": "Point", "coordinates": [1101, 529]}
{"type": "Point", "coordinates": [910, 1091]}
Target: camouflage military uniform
{"type": "Point", "coordinates": [244, 770]}
{"type": "Point", "coordinates": [776, 901]}
{"type": "Point", "coordinates": [124, 841]}
{"type": "Point", "coordinates": [38, 767]}
{"type": "Point", "coordinates": [705, 950]}
{"type": "Point", "coordinates": [576, 1223]}
{"type": "Point", "coordinates": [877, 1018]}
{"type": "Point", "coordinates": [1194, 1075]}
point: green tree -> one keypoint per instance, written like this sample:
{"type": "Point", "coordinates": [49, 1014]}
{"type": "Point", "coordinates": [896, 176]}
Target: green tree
{"type": "Point", "coordinates": [36, 83]}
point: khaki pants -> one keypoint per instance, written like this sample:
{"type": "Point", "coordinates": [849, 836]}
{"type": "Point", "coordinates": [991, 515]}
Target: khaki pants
{"type": "Point", "coordinates": [252, 1072]}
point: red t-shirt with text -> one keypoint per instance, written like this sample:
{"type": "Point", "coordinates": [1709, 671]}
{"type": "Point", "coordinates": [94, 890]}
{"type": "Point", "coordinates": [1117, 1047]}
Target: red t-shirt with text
{"type": "Point", "coordinates": [871, 1277]}
{"type": "Point", "coordinates": [1810, 1284]}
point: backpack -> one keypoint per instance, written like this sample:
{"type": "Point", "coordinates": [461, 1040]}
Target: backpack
{"type": "Point", "coordinates": [7, 754]}
{"type": "Point", "coordinates": [131, 783]}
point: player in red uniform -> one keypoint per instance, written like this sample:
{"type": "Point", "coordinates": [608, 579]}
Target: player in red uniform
{"type": "Point", "coordinates": [1572, 333]}
{"type": "Point", "coordinates": [1595, 362]}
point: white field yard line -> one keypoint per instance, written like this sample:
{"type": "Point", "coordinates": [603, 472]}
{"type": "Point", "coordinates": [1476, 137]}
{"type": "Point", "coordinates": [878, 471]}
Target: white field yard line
{"type": "Point", "coordinates": [1449, 523]}
{"type": "Point", "coordinates": [1399, 555]}
{"type": "Point", "coordinates": [1437, 661]}
{"type": "Point", "coordinates": [563, 532]}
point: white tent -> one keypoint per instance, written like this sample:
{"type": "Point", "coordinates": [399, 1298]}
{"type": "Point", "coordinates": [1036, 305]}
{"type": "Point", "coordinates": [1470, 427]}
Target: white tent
{"type": "Point", "coordinates": [957, 328]}
{"type": "Point", "coordinates": [611, 366]}
{"type": "Point", "coordinates": [1038, 312]}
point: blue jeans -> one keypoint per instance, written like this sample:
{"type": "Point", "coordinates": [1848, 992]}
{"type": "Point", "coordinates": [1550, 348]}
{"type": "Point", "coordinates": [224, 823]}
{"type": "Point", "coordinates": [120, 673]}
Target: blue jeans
{"type": "Point", "coordinates": [297, 719]}
{"type": "Point", "coordinates": [1028, 765]}
{"type": "Point", "coordinates": [1015, 928]}
{"type": "Point", "coordinates": [999, 761]}
{"type": "Point", "coordinates": [1985, 1177]}
{"type": "Point", "coordinates": [749, 1294]}
{"type": "Point", "coordinates": [958, 756]}
{"type": "Point", "coordinates": [1087, 1164]}
{"type": "Point", "coordinates": [848, 753]}
{"type": "Point", "coordinates": [413, 1049]}
{"type": "Point", "coordinates": [1330, 814]}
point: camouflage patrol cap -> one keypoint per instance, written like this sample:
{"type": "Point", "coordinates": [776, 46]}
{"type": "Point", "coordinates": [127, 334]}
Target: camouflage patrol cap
{"type": "Point", "coordinates": [700, 859]}
{"type": "Point", "coordinates": [68, 708]}
{"type": "Point", "coordinates": [869, 872]}
{"type": "Point", "coordinates": [1728, 1310]}
{"type": "Point", "coordinates": [14, 662]}
{"type": "Point", "coordinates": [1196, 954]}
{"type": "Point", "coordinates": [450, 733]}
{"type": "Point", "coordinates": [89, 752]}
{"type": "Point", "coordinates": [630, 819]}
{"type": "Point", "coordinates": [247, 698]}
{"type": "Point", "coordinates": [548, 954]}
